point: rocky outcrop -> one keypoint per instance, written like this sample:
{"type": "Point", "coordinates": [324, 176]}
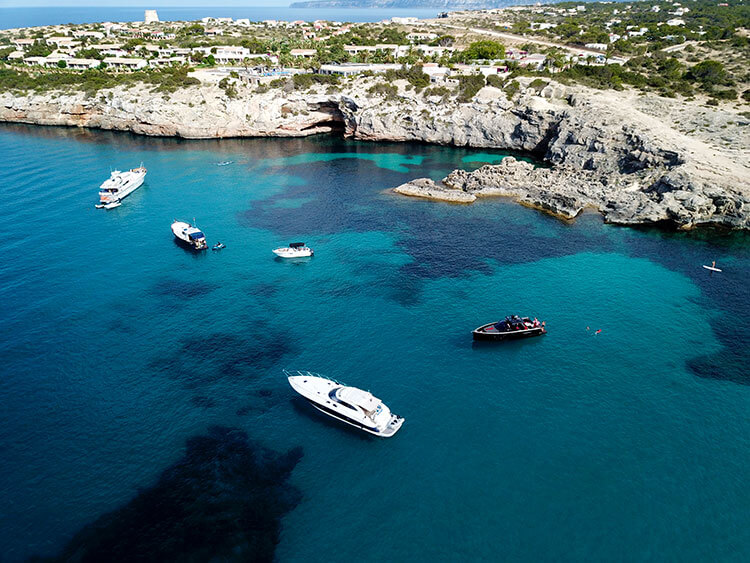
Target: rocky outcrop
{"type": "Point", "coordinates": [601, 150]}
{"type": "Point", "coordinates": [672, 200]}
{"type": "Point", "coordinates": [528, 185]}
{"type": "Point", "coordinates": [426, 188]}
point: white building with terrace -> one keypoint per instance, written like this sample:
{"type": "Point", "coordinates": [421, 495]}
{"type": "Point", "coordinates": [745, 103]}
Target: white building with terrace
{"type": "Point", "coordinates": [350, 69]}
{"type": "Point", "coordinates": [234, 55]}
{"type": "Point", "coordinates": [303, 53]}
{"type": "Point", "coordinates": [122, 63]}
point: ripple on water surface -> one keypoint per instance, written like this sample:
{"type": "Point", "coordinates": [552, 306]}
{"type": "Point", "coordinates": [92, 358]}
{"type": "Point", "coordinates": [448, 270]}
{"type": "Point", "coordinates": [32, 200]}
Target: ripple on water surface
{"type": "Point", "coordinates": [120, 347]}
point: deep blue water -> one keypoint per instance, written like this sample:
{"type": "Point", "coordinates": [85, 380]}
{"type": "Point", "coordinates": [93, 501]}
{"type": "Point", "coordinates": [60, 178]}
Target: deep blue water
{"type": "Point", "coordinates": [53, 15]}
{"type": "Point", "coordinates": [119, 348]}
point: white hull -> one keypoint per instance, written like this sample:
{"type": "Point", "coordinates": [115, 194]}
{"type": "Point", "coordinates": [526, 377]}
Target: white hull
{"type": "Point", "coordinates": [121, 184]}
{"type": "Point", "coordinates": [183, 231]}
{"type": "Point", "coordinates": [287, 252]}
{"type": "Point", "coordinates": [350, 405]}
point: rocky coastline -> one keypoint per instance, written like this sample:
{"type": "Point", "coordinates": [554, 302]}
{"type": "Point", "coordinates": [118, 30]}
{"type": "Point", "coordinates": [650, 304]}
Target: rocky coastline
{"type": "Point", "coordinates": [604, 150]}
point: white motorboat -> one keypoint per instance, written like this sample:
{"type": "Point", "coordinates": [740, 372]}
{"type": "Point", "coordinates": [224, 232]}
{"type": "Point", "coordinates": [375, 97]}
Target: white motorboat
{"type": "Point", "coordinates": [348, 404]}
{"type": "Point", "coordinates": [119, 185]}
{"type": "Point", "coordinates": [189, 234]}
{"type": "Point", "coordinates": [294, 250]}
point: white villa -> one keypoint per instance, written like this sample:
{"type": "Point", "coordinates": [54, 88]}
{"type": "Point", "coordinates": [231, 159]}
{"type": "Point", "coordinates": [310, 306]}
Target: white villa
{"type": "Point", "coordinates": [349, 69]}
{"type": "Point", "coordinates": [421, 36]}
{"type": "Point", "coordinates": [303, 53]}
{"type": "Point", "coordinates": [53, 61]}
{"type": "Point", "coordinates": [125, 63]}
{"type": "Point", "coordinates": [233, 54]}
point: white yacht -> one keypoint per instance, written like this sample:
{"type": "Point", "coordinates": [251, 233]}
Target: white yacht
{"type": "Point", "coordinates": [119, 185]}
{"type": "Point", "coordinates": [294, 250]}
{"type": "Point", "coordinates": [189, 234]}
{"type": "Point", "coordinates": [348, 404]}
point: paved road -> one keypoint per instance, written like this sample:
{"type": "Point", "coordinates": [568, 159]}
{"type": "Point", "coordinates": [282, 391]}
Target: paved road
{"type": "Point", "coordinates": [513, 37]}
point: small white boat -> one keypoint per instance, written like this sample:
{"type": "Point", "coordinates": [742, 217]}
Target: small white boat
{"type": "Point", "coordinates": [189, 235]}
{"type": "Point", "coordinates": [348, 404]}
{"type": "Point", "coordinates": [224, 163]}
{"type": "Point", "coordinates": [119, 185]}
{"type": "Point", "coordinates": [712, 267]}
{"type": "Point", "coordinates": [294, 250]}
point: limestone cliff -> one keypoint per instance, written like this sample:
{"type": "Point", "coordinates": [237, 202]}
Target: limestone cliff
{"type": "Point", "coordinates": [602, 150]}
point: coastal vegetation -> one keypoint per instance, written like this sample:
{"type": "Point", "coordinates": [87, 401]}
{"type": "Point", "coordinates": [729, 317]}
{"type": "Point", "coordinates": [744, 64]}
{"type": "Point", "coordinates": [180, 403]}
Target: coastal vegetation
{"type": "Point", "coordinates": [697, 51]}
{"type": "Point", "coordinates": [165, 80]}
{"type": "Point", "coordinates": [413, 75]}
{"type": "Point", "coordinates": [484, 50]}
{"type": "Point", "coordinates": [305, 81]}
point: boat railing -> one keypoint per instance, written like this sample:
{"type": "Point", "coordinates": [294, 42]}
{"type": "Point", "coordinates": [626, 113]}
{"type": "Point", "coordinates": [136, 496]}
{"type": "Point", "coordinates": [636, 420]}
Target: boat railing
{"type": "Point", "coordinates": [293, 372]}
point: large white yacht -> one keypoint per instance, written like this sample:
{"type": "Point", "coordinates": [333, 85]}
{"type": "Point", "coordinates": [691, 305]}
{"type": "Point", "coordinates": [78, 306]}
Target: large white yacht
{"type": "Point", "coordinates": [294, 250]}
{"type": "Point", "coordinates": [119, 185]}
{"type": "Point", "coordinates": [189, 234]}
{"type": "Point", "coordinates": [348, 404]}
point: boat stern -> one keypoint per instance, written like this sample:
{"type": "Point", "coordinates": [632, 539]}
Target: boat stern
{"type": "Point", "coordinates": [393, 426]}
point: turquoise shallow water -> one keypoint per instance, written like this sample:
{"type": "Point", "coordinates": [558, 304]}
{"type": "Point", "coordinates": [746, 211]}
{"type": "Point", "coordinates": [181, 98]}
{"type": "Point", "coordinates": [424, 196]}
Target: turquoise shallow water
{"type": "Point", "coordinates": [118, 346]}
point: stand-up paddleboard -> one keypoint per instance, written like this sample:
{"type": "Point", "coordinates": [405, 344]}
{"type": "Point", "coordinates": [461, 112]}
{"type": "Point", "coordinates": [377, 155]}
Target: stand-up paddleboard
{"type": "Point", "coordinates": [711, 268]}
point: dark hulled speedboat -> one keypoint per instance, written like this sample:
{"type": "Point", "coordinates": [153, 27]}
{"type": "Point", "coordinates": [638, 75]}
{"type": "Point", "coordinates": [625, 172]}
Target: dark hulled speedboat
{"type": "Point", "coordinates": [510, 328]}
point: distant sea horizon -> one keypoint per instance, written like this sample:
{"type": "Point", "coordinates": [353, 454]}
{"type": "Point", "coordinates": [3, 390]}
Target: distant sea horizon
{"type": "Point", "coordinates": [14, 17]}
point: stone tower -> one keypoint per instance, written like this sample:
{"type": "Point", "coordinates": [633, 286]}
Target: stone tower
{"type": "Point", "coordinates": [150, 16]}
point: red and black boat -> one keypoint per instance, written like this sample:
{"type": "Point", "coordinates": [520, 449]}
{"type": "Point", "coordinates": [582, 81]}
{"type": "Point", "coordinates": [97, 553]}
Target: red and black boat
{"type": "Point", "coordinates": [510, 328]}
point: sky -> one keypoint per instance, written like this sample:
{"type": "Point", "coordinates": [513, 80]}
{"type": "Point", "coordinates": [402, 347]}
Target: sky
{"type": "Point", "coordinates": [141, 3]}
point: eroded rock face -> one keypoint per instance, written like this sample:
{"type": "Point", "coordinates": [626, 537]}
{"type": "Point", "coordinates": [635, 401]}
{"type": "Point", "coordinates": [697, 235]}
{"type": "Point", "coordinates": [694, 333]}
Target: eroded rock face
{"type": "Point", "coordinates": [603, 151]}
{"type": "Point", "coordinates": [562, 191]}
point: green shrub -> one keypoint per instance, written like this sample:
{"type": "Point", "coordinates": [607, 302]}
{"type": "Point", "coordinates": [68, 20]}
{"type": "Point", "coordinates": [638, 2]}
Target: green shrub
{"type": "Point", "coordinates": [437, 91]}
{"type": "Point", "coordinates": [39, 49]}
{"type": "Point", "coordinates": [485, 49]}
{"type": "Point", "coordinates": [91, 81]}
{"type": "Point", "coordinates": [495, 81]}
{"type": "Point", "coordinates": [709, 73]}
{"type": "Point", "coordinates": [724, 94]}
{"type": "Point", "coordinates": [414, 75]}
{"type": "Point", "coordinates": [388, 91]}
{"type": "Point", "coordinates": [468, 86]}
{"type": "Point", "coordinates": [229, 88]}
{"type": "Point", "coordinates": [512, 88]}
{"type": "Point", "coordinates": [538, 84]}
{"type": "Point", "coordinates": [305, 81]}
{"type": "Point", "coordinates": [608, 76]}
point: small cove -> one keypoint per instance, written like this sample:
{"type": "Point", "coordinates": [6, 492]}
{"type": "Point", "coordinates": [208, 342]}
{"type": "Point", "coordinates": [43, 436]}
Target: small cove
{"type": "Point", "coordinates": [119, 347]}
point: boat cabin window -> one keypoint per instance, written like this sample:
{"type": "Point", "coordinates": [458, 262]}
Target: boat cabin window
{"type": "Point", "coordinates": [336, 398]}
